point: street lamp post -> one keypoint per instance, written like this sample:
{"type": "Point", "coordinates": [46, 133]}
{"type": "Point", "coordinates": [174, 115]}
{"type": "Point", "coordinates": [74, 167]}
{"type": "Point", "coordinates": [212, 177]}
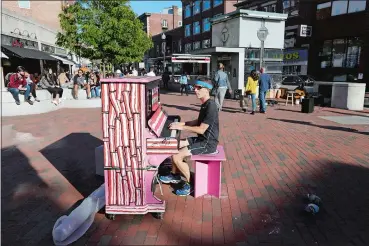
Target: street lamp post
{"type": "Point", "coordinates": [163, 37]}
{"type": "Point", "coordinates": [262, 35]}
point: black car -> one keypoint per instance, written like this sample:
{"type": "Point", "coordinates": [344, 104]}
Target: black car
{"type": "Point", "coordinates": [297, 80]}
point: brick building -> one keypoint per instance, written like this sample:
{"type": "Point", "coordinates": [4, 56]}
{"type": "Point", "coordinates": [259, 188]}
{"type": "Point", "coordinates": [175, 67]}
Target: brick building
{"type": "Point", "coordinates": [43, 12]}
{"type": "Point", "coordinates": [168, 19]}
{"type": "Point", "coordinates": [28, 34]}
{"type": "Point", "coordinates": [196, 21]}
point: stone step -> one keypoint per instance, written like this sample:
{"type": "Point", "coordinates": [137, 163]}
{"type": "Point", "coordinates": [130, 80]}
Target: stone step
{"type": "Point", "coordinates": [45, 105]}
{"type": "Point", "coordinates": [43, 95]}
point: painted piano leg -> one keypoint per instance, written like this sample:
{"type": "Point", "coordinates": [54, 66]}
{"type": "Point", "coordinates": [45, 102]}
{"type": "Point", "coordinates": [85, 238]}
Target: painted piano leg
{"type": "Point", "coordinates": [208, 178]}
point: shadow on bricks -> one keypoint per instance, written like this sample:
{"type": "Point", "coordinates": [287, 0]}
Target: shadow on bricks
{"type": "Point", "coordinates": [74, 157]}
{"type": "Point", "coordinates": [23, 195]}
{"type": "Point", "coordinates": [335, 128]}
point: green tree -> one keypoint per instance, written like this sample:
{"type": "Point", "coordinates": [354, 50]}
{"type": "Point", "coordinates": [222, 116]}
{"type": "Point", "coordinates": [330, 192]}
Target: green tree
{"type": "Point", "coordinates": [107, 29]}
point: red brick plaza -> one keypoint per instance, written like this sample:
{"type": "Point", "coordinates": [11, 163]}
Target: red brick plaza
{"type": "Point", "coordinates": [274, 160]}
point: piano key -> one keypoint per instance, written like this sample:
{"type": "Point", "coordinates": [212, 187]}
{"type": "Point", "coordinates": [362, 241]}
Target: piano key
{"type": "Point", "coordinates": [174, 132]}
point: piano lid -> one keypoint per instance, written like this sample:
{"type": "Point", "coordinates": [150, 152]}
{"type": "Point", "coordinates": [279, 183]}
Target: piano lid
{"type": "Point", "coordinates": [136, 79]}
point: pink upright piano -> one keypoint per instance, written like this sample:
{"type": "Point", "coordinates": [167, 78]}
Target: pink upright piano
{"type": "Point", "coordinates": [136, 141]}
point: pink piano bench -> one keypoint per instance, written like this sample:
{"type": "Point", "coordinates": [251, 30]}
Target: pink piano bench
{"type": "Point", "coordinates": [208, 173]}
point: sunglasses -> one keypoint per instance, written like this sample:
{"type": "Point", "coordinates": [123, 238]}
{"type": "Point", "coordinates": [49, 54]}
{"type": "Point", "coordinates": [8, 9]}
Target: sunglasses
{"type": "Point", "coordinates": [197, 87]}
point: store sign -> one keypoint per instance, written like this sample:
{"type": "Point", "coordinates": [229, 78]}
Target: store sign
{"type": "Point", "coordinates": [17, 43]}
{"type": "Point", "coordinates": [305, 31]}
{"type": "Point", "coordinates": [295, 55]}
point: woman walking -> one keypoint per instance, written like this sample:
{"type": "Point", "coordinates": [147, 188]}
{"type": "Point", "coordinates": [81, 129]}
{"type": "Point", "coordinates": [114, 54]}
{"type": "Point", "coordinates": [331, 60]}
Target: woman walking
{"type": "Point", "coordinates": [183, 80]}
{"type": "Point", "coordinates": [251, 89]}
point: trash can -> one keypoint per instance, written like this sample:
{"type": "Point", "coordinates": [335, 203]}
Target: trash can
{"type": "Point", "coordinates": [307, 105]}
{"type": "Point", "coordinates": [237, 94]}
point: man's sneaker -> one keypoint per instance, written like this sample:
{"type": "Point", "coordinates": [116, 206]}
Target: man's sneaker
{"type": "Point", "coordinates": [18, 102]}
{"type": "Point", "coordinates": [29, 101]}
{"type": "Point", "coordinates": [171, 178]}
{"type": "Point", "coordinates": [184, 191]}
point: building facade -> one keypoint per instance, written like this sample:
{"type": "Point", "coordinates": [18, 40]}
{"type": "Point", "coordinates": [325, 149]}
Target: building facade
{"type": "Point", "coordinates": [324, 38]}
{"type": "Point", "coordinates": [29, 30]}
{"type": "Point", "coordinates": [196, 21]}
{"type": "Point", "coordinates": [340, 43]}
{"type": "Point", "coordinates": [165, 48]}
{"type": "Point", "coordinates": [168, 19]}
{"type": "Point", "coordinates": [298, 30]}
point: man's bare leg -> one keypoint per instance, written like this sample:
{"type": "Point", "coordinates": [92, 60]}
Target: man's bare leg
{"type": "Point", "coordinates": [183, 143]}
{"type": "Point", "coordinates": [180, 164]}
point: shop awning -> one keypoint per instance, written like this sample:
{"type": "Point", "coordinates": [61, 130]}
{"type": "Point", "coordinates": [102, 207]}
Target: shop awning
{"type": "Point", "coordinates": [63, 60]}
{"type": "Point", "coordinates": [27, 53]}
{"type": "Point", "coordinates": [4, 56]}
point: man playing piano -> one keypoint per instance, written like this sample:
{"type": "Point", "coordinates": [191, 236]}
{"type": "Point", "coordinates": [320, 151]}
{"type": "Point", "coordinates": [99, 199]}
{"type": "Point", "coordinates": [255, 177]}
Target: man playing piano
{"type": "Point", "coordinates": [207, 129]}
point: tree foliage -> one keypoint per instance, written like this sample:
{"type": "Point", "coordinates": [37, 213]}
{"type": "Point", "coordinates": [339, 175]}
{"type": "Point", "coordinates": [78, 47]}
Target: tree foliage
{"type": "Point", "coordinates": [107, 29]}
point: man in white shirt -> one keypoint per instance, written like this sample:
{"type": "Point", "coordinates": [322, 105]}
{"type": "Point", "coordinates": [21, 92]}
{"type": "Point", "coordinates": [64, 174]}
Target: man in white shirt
{"type": "Point", "coordinates": [134, 72]}
{"type": "Point", "coordinates": [151, 73]}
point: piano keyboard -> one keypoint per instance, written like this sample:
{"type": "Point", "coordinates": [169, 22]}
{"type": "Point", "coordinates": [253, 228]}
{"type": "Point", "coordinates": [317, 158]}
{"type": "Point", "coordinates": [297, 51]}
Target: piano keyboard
{"type": "Point", "coordinates": [174, 132]}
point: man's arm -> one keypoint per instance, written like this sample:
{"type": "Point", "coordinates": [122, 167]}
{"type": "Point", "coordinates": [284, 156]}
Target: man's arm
{"type": "Point", "coordinates": [228, 83]}
{"type": "Point", "coordinates": [210, 117]}
{"type": "Point", "coordinates": [270, 82]}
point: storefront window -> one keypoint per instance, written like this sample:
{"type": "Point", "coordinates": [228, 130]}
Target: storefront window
{"type": "Point", "coordinates": [353, 52]}
{"type": "Point", "coordinates": [206, 4]}
{"type": "Point", "coordinates": [217, 2]}
{"type": "Point", "coordinates": [18, 42]}
{"type": "Point", "coordinates": [326, 54]}
{"type": "Point", "coordinates": [196, 27]}
{"type": "Point", "coordinates": [356, 6]}
{"type": "Point", "coordinates": [339, 7]}
{"type": "Point", "coordinates": [196, 45]}
{"type": "Point", "coordinates": [188, 48]}
{"type": "Point", "coordinates": [187, 11]}
{"type": "Point", "coordinates": [206, 25]}
{"type": "Point", "coordinates": [341, 53]}
{"type": "Point", "coordinates": [206, 43]}
{"type": "Point", "coordinates": [188, 30]}
{"type": "Point", "coordinates": [196, 7]}
{"type": "Point", "coordinates": [338, 53]}
{"type": "Point", "coordinates": [47, 48]}
{"type": "Point", "coordinates": [323, 10]}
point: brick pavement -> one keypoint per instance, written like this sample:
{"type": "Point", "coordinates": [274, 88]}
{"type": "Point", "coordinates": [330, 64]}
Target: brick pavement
{"type": "Point", "coordinates": [273, 161]}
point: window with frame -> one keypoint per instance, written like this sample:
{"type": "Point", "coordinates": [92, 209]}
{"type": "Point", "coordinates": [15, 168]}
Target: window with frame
{"type": "Point", "coordinates": [188, 47]}
{"type": "Point", "coordinates": [326, 54]}
{"type": "Point", "coordinates": [179, 23]}
{"type": "Point", "coordinates": [338, 53]}
{"type": "Point", "coordinates": [272, 8]}
{"type": "Point", "coordinates": [206, 4]}
{"type": "Point", "coordinates": [206, 43]}
{"type": "Point", "coordinates": [339, 7]}
{"type": "Point", "coordinates": [217, 2]}
{"type": "Point", "coordinates": [164, 23]}
{"type": "Point", "coordinates": [187, 11]}
{"type": "Point", "coordinates": [356, 6]}
{"type": "Point", "coordinates": [188, 30]}
{"type": "Point", "coordinates": [24, 4]}
{"type": "Point", "coordinates": [180, 46]}
{"type": "Point", "coordinates": [196, 28]}
{"type": "Point", "coordinates": [323, 10]}
{"type": "Point", "coordinates": [206, 25]}
{"type": "Point", "coordinates": [341, 53]}
{"type": "Point", "coordinates": [196, 45]}
{"type": "Point", "coordinates": [196, 7]}
{"type": "Point", "coordinates": [353, 52]}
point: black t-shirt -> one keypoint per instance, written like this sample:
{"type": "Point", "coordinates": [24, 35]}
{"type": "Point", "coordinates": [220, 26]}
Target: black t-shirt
{"type": "Point", "coordinates": [209, 115]}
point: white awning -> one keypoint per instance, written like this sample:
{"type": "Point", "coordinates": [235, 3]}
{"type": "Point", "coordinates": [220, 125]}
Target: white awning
{"type": "Point", "coordinates": [4, 56]}
{"type": "Point", "coordinates": [64, 61]}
